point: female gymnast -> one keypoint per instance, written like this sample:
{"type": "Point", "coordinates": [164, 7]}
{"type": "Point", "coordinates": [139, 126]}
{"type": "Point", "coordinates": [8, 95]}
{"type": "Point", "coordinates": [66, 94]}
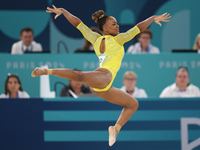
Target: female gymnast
{"type": "Point", "coordinates": [109, 48]}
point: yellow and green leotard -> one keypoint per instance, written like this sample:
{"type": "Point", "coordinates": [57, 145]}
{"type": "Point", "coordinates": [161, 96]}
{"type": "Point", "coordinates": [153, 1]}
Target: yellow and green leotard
{"type": "Point", "coordinates": [114, 50]}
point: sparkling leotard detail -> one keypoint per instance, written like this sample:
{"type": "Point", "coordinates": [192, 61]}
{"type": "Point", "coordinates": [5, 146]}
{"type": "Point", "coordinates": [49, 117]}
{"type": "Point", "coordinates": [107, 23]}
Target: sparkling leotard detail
{"type": "Point", "coordinates": [114, 50]}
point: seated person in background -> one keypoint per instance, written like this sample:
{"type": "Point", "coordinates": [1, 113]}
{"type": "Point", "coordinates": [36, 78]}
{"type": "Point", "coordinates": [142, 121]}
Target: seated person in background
{"type": "Point", "coordinates": [92, 94]}
{"type": "Point", "coordinates": [73, 87]}
{"type": "Point", "coordinates": [26, 43]}
{"type": "Point", "coordinates": [129, 80]}
{"type": "Point", "coordinates": [87, 46]}
{"type": "Point", "coordinates": [182, 87]}
{"type": "Point", "coordinates": [13, 88]}
{"type": "Point", "coordinates": [143, 45]}
{"type": "Point", "coordinates": [197, 43]}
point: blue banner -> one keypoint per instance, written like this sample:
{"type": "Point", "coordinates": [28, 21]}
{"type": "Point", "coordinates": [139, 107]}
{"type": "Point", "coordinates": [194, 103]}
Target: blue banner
{"type": "Point", "coordinates": [155, 72]}
{"type": "Point", "coordinates": [65, 123]}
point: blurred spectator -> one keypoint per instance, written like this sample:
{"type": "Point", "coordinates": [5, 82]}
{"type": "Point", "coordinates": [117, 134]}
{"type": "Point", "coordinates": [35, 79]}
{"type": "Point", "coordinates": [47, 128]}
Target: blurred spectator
{"type": "Point", "coordinates": [26, 43]}
{"type": "Point", "coordinates": [197, 43]}
{"type": "Point", "coordinates": [87, 46]}
{"type": "Point", "coordinates": [13, 88]}
{"type": "Point", "coordinates": [129, 81]}
{"type": "Point", "coordinates": [144, 44]}
{"type": "Point", "coordinates": [182, 87]}
{"type": "Point", "coordinates": [74, 89]}
{"type": "Point", "coordinates": [92, 94]}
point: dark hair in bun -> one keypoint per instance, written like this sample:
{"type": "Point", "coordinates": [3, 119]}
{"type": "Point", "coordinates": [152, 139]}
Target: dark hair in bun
{"type": "Point", "coordinates": [100, 18]}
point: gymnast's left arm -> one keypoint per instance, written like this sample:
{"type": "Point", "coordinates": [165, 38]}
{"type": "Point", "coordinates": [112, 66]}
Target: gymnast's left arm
{"type": "Point", "coordinates": [127, 36]}
{"type": "Point", "coordinates": [144, 24]}
{"type": "Point", "coordinates": [130, 34]}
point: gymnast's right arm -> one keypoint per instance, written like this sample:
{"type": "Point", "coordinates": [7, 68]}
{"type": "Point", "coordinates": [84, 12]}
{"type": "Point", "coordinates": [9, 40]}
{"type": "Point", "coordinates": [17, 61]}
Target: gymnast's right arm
{"type": "Point", "coordinates": [75, 21]}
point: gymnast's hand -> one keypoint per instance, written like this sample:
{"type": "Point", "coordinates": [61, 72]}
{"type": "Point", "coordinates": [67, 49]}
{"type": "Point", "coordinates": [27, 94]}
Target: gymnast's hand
{"type": "Point", "coordinates": [38, 72]}
{"type": "Point", "coordinates": [162, 17]}
{"type": "Point", "coordinates": [57, 11]}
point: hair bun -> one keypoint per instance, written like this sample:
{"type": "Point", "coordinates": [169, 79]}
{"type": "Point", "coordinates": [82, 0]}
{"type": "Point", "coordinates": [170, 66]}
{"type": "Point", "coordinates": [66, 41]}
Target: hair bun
{"type": "Point", "coordinates": [98, 15]}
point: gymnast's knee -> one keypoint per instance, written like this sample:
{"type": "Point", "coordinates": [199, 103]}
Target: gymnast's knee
{"type": "Point", "coordinates": [135, 105]}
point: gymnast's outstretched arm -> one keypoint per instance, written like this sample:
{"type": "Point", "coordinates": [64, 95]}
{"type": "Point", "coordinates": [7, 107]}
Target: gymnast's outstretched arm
{"type": "Point", "coordinates": [130, 34]}
{"type": "Point", "coordinates": [75, 21]}
{"type": "Point", "coordinates": [144, 24]}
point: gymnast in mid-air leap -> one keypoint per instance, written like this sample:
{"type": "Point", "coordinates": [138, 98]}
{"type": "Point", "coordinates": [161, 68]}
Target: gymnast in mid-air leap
{"type": "Point", "coordinates": [110, 51]}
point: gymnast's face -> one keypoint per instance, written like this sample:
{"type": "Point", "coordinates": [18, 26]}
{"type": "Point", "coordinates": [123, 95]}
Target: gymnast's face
{"type": "Point", "coordinates": [111, 27]}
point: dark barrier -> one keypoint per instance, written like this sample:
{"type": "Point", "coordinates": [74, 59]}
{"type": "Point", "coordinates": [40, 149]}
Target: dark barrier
{"type": "Point", "coordinates": [67, 123]}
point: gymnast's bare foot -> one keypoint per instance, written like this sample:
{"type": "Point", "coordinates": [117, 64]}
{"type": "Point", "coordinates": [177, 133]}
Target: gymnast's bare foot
{"type": "Point", "coordinates": [38, 72]}
{"type": "Point", "coordinates": [112, 135]}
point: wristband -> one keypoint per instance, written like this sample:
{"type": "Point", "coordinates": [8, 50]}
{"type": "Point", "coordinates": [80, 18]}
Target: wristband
{"type": "Point", "coordinates": [49, 71]}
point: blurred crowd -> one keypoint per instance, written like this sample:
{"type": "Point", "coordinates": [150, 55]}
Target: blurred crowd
{"type": "Point", "coordinates": [26, 43]}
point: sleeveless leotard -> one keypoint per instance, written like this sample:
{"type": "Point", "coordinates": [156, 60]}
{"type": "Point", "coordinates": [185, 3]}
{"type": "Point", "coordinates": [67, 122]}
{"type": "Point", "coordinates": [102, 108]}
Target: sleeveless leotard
{"type": "Point", "coordinates": [114, 51]}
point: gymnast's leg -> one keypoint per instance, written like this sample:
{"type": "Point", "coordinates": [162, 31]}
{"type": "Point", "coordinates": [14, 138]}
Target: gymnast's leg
{"type": "Point", "coordinates": [98, 78]}
{"type": "Point", "coordinates": [116, 96]}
